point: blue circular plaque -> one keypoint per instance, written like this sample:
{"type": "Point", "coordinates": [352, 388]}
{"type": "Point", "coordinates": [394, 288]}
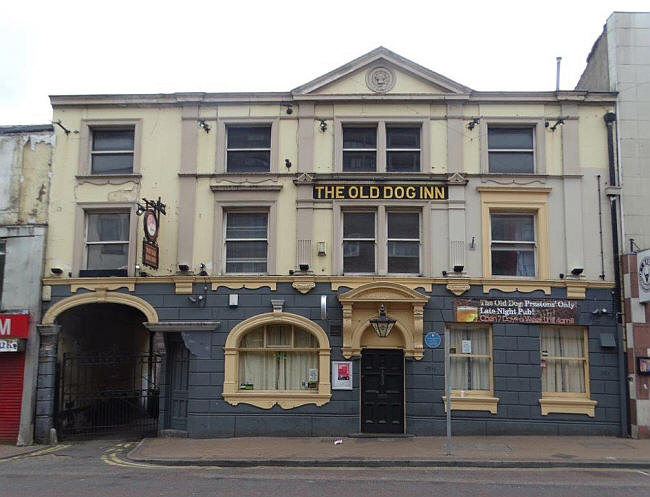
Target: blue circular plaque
{"type": "Point", "coordinates": [433, 340]}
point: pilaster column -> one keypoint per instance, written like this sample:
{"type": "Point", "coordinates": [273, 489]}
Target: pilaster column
{"type": "Point", "coordinates": [46, 382]}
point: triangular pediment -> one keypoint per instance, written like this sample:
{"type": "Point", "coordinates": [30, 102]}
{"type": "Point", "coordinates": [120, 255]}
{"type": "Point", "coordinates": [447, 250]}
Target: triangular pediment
{"type": "Point", "coordinates": [381, 72]}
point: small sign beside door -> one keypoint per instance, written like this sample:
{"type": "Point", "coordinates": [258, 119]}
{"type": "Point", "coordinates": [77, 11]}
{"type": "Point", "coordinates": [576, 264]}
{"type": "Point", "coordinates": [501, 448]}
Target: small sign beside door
{"type": "Point", "coordinates": [341, 375]}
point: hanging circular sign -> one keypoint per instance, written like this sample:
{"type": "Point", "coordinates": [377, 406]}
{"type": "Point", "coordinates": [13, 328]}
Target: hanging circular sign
{"type": "Point", "coordinates": [150, 225]}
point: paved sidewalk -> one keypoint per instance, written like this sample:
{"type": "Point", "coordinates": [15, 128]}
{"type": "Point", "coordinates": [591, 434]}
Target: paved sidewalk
{"type": "Point", "coordinates": [7, 451]}
{"type": "Point", "coordinates": [415, 451]}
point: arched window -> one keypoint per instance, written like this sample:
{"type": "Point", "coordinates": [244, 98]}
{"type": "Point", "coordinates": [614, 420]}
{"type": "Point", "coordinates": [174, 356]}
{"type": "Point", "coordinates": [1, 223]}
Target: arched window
{"type": "Point", "coordinates": [277, 358]}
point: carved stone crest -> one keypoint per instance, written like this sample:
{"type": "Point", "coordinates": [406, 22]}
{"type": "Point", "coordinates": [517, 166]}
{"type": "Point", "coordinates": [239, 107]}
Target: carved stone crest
{"type": "Point", "coordinates": [380, 79]}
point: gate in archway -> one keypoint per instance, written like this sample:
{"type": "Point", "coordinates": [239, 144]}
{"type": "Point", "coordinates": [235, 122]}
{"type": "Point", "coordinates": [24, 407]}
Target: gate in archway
{"type": "Point", "coordinates": [108, 394]}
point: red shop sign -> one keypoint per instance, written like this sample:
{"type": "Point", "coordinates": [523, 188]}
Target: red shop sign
{"type": "Point", "coordinates": [14, 325]}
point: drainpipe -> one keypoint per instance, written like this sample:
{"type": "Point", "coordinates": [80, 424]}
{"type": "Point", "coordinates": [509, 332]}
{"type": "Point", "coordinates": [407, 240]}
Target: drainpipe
{"type": "Point", "coordinates": [610, 119]}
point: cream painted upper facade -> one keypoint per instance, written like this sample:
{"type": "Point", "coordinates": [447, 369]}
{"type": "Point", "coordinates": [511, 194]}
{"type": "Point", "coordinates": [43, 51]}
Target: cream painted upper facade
{"type": "Point", "coordinates": [175, 158]}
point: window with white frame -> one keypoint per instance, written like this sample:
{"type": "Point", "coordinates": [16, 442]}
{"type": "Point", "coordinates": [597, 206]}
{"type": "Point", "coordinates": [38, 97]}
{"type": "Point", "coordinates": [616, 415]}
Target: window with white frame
{"type": "Point", "coordinates": [402, 148]}
{"type": "Point", "coordinates": [112, 150]}
{"type": "Point", "coordinates": [246, 242]}
{"type": "Point", "coordinates": [107, 240]}
{"type": "Point", "coordinates": [359, 242]}
{"type": "Point", "coordinates": [3, 253]}
{"type": "Point", "coordinates": [511, 149]}
{"type": "Point", "coordinates": [248, 148]}
{"type": "Point", "coordinates": [564, 360]}
{"type": "Point", "coordinates": [512, 244]}
{"type": "Point", "coordinates": [278, 357]}
{"type": "Point", "coordinates": [403, 242]}
{"type": "Point", "coordinates": [360, 148]}
{"type": "Point", "coordinates": [381, 146]}
{"type": "Point", "coordinates": [470, 356]}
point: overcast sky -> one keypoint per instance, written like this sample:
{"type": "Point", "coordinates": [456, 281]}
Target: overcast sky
{"type": "Point", "coordinates": [58, 47]}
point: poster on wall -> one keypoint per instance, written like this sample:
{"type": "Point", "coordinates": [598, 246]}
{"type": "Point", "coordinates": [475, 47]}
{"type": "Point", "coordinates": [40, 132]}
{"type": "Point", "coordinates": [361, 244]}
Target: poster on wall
{"type": "Point", "coordinates": [525, 311]}
{"type": "Point", "coordinates": [643, 272]}
{"type": "Point", "coordinates": [341, 375]}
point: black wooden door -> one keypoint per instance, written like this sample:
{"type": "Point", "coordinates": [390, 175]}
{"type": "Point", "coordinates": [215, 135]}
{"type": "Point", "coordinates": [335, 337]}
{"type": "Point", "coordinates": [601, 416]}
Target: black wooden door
{"type": "Point", "coordinates": [179, 372]}
{"type": "Point", "coordinates": [382, 391]}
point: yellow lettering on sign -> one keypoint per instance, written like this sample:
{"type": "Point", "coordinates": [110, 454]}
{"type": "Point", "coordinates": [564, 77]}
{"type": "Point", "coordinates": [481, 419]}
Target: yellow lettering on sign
{"type": "Point", "coordinates": [426, 192]}
{"type": "Point", "coordinates": [410, 192]}
{"type": "Point", "coordinates": [340, 192]}
{"type": "Point", "coordinates": [319, 191]}
{"type": "Point", "coordinates": [440, 193]}
{"type": "Point", "coordinates": [329, 192]}
{"type": "Point", "coordinates": [388, 192]}
{"type": "Point", "coordinates": [353, 191]}
{"type": "Point", "coordinates": [374, 192]}
{"type": "Point", "coordinates": [362, 189]}
{"type": "Point", "coordinates": [399, 192]}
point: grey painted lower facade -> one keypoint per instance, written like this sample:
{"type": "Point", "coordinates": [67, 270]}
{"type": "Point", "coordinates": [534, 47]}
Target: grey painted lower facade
{"type": "Point", "coordinates": [516, 368]}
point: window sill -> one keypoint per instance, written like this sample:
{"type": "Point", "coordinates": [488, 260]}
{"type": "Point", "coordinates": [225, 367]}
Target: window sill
{"type": "Point", "coordinates": [285, 399]}
{"type": "Point", "coordinates": [108, 179]}
{"type": "Point", "coordinates": [472, 403]}
{"type": "Point", "coordinates": [566, 405]}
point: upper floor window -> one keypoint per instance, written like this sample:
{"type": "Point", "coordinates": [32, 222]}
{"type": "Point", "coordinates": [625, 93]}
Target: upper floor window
{"type": "Point", "coordinates": [246, 242]}
{"type": "Point", "coordinates": [513, 244]}
{"type": "Point", "coordinates": [403, 242]}
{"type": "Point", "coordinates": [107, 240]}
{"type": "Point", "coordinates": [381, 147]}
{"type": "Point", "coordinates": [511, 150]}
{"type": "Point", "coordinates": [359, 242]}
{"type": "Point", "coordinates": [248, 149]}
{"type": "Point", "coordinates": [360, 148]}
{"type": "Point", "coordinates": [402, 149]}
{"type": "Point", "coordinates": [112, 150]}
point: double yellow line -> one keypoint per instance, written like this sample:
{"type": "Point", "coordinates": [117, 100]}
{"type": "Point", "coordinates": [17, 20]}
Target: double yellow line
{"type": "Point", "coordinates": [42, 452]}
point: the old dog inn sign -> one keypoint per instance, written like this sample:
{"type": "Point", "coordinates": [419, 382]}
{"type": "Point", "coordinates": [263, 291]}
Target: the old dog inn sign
{"type": "Point", "coordinates": [381, 192]}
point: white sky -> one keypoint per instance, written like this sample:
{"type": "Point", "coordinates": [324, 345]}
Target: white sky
{"type": "Point", "coordinates": [52, 47]}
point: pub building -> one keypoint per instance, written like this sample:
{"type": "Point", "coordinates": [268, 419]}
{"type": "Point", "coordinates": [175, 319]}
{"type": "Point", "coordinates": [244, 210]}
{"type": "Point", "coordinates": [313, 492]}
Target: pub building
{"type": "Point", "coordinates": [311, 240]}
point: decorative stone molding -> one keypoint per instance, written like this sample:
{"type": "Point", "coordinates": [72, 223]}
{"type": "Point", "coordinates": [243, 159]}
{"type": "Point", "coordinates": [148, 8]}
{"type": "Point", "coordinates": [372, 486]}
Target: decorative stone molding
{"type": "Point", "coordinates": [304, 286]}
{"type": "Point", "coordinates": [184, 286]}
{"type": "Point", "coordinates": [524, 287]}
{"type": "Point", "coordinates": [101, 296]}
{"type": "Point", "coordinates": [380, 79]}
{"type": "Point", "coordinates": [245, 188]}
{"type": "Point", "coordinates": [402, 303]}
{"type": "Point", "coordinates": [576, 289]}
{"type": "Point", "coordinates": [251, 284]}
{"type": "Point", "coordinates": [457, 179]}
{"type": "Point", "coordinates": [566, 405]}
{"type": "Point", "coordinates": [304, 178]}
{"type": "Point", "coordinates": [458, 286]}
{"type": "Point", "coordinates": [177, 326]}
{"type": "Point", "coordinates": [277, 305]}
{"type": "Point", "coordinates": [102, 284]}
{"type": "Point", "coordinates": [357, 281]}
{"type": "Point", "coordinates": [108, 179]}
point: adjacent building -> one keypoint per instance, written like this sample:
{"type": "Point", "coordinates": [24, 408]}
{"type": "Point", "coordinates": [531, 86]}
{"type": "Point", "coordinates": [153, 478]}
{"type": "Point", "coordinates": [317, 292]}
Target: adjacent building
{"type": "Point", "coordinates": [223, 264]}
{"type": "Point", "coordinates": [620, 62]}
{"type": "Point", "coordinates": [25, 159]}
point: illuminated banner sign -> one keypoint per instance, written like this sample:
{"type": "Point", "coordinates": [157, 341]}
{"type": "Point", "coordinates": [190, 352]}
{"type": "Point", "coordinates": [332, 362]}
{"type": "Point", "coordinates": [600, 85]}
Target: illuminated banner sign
{"type": "Point", "coordinates": [381, 192]}
{"type": "Point", "coordinates": [14, 325]}
{"type": "Point", "coordinates": [525, 311]}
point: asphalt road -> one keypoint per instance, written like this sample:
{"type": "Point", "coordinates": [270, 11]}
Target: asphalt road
{"type": "Point", "coordinates": [100, 469]}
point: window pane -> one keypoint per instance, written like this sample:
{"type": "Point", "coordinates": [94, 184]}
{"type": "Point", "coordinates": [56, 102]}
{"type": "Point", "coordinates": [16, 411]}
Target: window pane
{"type": "Point", "coordinates": [358, 257]}
{"type": "Point", "coordinates": [470, 373]}
{"type": "Point", "coordinates": [304, 339]}
{"type": "Point", "coordinates": [252, 339]}
{"type": "Point", "coordinates": [479, 338]}
{"type": "Point", "coordinates": [113, 256]}
{"type": "Point", "coordinates": [511, 162]}
{"type": "Point", "coordinates": [402, 162]}
{"type": "Point", "coordinates": [359, 225]}
{"type": "Point", "coordinates": [256, 161]}
{"type": "Point", "coordinates": [403, 225]}
{"type": "Point", "coordinates": [400, 137]}
{"type": "Point", "coordinates": [513, 227]}
{"type": "Point", "coordinates": [276, 370]}
{"type": "Point", "coordinates": [278, 335]}
{"type": "Point", "coordinates": [510, 261]}
{"type": "Point", "coordinates": [567, 375]}
{"type": "Point", "coordinates": [510, 138]}
{"type": "Point", "coordinates": [113, 139]}
{"type": "Point", "coordinates": [358, 137]}
{"type": "Point", "coordinates": [108, 227]}
{"type": "Point", "coordinates": [249, 137]}
{"type": "Point", "coordinates": [403, 257]}
{"type": "Point", "coordinates": [246, 225]}
{"type": "Point", "coordinates": [112, 164]}
{"type": "Point", "coordinates": [359, 161]}
{"type": "Point", "coordinates": [246, 257]}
